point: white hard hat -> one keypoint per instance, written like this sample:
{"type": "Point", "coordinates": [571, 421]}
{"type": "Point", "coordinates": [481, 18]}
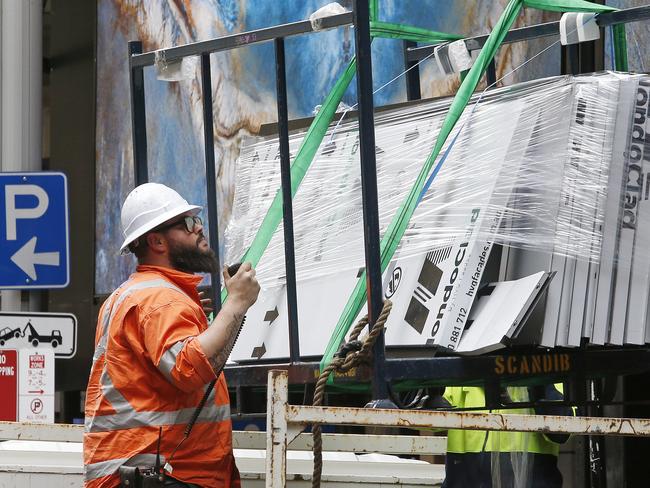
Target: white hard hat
{"type": "Point", "coordinates": [148, 206]}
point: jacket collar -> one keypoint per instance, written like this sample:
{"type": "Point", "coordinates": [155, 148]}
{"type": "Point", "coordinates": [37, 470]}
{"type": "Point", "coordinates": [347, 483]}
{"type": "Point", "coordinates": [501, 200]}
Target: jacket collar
{"type": "Point", "coordinates": [185, 281]}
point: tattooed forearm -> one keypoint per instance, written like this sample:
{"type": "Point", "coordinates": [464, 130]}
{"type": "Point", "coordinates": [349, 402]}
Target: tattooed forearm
{"type": "Point", "coordinates": [232, 329]}
{"type": "Point", "coordinates": [213, 362]}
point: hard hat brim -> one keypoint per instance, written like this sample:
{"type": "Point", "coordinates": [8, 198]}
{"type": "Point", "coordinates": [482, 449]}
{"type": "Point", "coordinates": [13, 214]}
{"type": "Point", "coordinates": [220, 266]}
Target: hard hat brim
{"type": "Point", "coordinates": [152, 224]}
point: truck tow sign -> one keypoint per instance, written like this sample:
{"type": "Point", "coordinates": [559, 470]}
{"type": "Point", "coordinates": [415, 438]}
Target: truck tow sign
{"type": "Point", "coordinates": [57, 331]}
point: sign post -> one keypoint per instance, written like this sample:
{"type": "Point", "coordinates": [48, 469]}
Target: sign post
{"type": "Point", "coordinates": [34, 247]}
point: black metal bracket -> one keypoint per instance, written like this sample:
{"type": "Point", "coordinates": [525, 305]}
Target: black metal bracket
{"type": "Point", "coordinates": [235, 41]}
{"type": "Point", "coordinates": [548, 29]}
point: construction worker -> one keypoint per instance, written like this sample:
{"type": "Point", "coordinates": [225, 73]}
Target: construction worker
{"type": "Point", "coordinates": [495, 459]}
{"type": "Point", "coordinates": [155, 355]}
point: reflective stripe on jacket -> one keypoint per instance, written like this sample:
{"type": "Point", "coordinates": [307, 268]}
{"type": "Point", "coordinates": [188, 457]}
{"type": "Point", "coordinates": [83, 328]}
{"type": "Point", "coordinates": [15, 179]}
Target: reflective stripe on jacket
{"type": "Point", "coordinates": [149, 371]}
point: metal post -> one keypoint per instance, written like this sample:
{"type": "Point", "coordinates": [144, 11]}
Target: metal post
{"type": "Point", "coordinates": [596, 443]}
{"type": "Point", "coordinates": [287, 194]}
{"type": "Point", "coordinates": [590, 57]}
{"type": "Point", "coordinates": [21, 78]}
{"type": "Point", "coordinates": [369, 188]}
{"type": "Point", "coordinates": [276, 428]}
{"type": "Point", "coordinates": [491, 73]}
{"type": "Point", "coordinates": [569, 63]}
{"type": "Point", "coordinates": [211, 176]}
{"type": "Point", "coordinates": [21, 83]}
{"type": "Point", "coordinates": [412, 75]}
{"type": "Point", "coordinates": [138, 117]}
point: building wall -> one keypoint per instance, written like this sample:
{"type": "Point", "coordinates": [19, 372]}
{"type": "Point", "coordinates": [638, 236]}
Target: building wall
{"type": "Point", "coordinates": [71, 99]}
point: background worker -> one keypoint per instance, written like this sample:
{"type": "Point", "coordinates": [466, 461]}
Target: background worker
{"type": "Point", "coordinates": [155, 354]}
{"type": "Point", "coordinates": [496, 459]}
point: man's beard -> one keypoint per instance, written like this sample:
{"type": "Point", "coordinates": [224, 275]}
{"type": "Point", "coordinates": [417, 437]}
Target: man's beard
{"type": "Point", "coordinates": [191, 259]}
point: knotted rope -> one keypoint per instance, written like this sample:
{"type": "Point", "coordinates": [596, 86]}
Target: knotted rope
{"type": "Point", "coordinates": [351, 354]}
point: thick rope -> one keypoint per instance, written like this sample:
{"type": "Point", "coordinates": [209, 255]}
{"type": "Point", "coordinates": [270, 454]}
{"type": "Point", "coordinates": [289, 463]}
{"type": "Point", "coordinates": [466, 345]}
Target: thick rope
{"type": "Point", "coordinates": [350, 355]}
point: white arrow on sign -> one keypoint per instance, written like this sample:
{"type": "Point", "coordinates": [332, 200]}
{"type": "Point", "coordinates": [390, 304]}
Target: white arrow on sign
{"type": "Point", "coordinates": [26, 258]}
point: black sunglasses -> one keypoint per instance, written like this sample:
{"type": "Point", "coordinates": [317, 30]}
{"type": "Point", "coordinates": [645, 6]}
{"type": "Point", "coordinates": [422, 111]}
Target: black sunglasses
{"type": "Point", "coordinates": [190, 222]}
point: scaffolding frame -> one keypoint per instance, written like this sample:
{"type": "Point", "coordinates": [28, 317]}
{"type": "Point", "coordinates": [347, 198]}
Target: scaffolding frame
{"type": "Point", "coordinates": [585, 364]}
{"type": "Point", "coordinates": [385, 369]}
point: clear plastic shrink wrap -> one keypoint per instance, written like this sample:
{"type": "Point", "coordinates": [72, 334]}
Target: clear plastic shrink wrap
{"type": "Point", "coordinates": [554, 169]}
{"type": "Point", "coordinates": [534, 158]}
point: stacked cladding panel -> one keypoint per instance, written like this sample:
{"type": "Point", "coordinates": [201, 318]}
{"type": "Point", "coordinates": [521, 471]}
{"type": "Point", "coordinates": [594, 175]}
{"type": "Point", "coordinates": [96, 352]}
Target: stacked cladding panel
{"type": "Point", "coordinates": [553, 171]}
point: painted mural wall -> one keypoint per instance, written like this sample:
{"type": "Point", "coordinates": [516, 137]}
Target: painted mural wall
{"type": "Point", "coordinates": [638, 37]}
{"type": "Point", "coordinates": [244, 88]}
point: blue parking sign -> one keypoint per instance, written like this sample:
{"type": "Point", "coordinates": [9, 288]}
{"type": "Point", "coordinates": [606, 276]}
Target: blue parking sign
{"type": "Point", "coordinates": [34, 244]}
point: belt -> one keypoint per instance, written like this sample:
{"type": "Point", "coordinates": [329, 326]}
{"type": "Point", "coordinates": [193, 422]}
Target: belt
{"type": "Point", "coordinates": [174, 483]}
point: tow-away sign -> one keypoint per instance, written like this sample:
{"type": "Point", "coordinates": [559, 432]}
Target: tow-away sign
{"type": "Point", "coordinates": [30, 330]}
{"type": "Point", "coordinates": [34, 244]}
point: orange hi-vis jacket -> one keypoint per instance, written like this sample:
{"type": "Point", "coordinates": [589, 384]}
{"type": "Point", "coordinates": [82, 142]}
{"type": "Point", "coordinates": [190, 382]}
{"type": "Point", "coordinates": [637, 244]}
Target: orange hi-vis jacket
{"type": "Point", "coordinates": [149, 371]}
